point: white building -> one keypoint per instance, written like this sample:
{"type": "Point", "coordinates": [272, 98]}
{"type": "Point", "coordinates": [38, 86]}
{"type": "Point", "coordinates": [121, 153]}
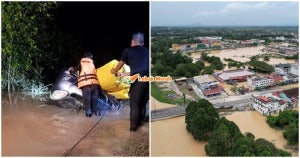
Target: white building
{"type": "Point", "coordinates": [268, 103]}
{"type": "Point", "coordinates": [256, 82]}
{"type": "Point", "coordinates": [208, 85]}
{"type": "Point", "coordinates": [281, 38]}
{"type": "Point", "coordinates": [294, 70]}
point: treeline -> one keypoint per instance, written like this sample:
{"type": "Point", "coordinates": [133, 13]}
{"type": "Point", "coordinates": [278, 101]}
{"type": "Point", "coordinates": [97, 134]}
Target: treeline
{"type": "Point", "coordinates": [215, 63]}
{"type": "Point", "coordinates": [175, 65]}
{"type": "Point", "coordinates": [287, 121]}
{"type": "Point", "coordinates": [230, 33]}
{"type": "Point", "coordinates": [179, 65]}
{"type": "Point", "coordinates": [224, 137]}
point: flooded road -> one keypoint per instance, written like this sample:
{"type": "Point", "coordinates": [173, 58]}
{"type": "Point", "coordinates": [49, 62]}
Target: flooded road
{"type": "Point", "coordinates": [36, 128]}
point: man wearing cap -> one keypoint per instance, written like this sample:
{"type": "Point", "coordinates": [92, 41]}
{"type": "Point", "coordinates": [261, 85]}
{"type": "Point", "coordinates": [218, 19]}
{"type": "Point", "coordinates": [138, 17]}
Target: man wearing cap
{"type": "Point", "coordinates": [137, 58]}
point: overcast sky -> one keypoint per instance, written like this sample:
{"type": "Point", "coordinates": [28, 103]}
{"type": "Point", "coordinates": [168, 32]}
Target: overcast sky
{"type": "Point", "coordinates": [201, 13]}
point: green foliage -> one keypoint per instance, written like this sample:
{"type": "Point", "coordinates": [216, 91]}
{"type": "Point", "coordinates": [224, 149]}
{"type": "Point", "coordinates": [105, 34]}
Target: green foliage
{"type": "Point", "coordinates": [287, 121]}
{"type": "Point", "coordinates": [208, 70]}
{"type": "Point", "coordinates": [222, 144]}
{"type": "Point", "coordinates": [254, 58]}
{"type": "Point", "coordinates": [294, 57]}
{"type": "Point", "coordinates": [261, 66]}
{"type": "Point", "coordinates": [22, 24]}
{"type": "Point", "coordinates": [162, 95]}
{"type": "Point", "coordinates": [200, 65]}
{"type": "Point", "coordinates": [158, 95]}
{"type": "Point", "coordinates": [265, 148]}
{"type": "Point", "coordinates": [175, 65]}
{"type": "Point", "coordinates": [291, 133]}
{"type": "Point", "coordinates": [234, 89]}
{"type": "Point", "coordinates": [200, 119]}
{"type": "Point", "coordinates": [244, 146]}
{"type": "Point", "coordinates": [284, 118]}
{"type": "Point", "coordinates": [250, 135]}
{"type": "Point", "coordinates": [213, 60]}
{"type": "Point", "coordinates": [233, 63]}
{"type": "Point", "coordinates": [224, 135]}
{"type": "Point", "coordinates": [266, 58]}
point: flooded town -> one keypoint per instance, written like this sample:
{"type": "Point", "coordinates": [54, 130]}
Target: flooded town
{"type": "Point", "coordinates": [238, 90]}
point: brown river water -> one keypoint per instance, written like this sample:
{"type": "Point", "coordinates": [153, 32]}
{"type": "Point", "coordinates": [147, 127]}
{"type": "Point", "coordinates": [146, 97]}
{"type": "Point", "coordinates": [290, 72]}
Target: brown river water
{"type": "Point", "coordinates": [169, 137]}
{"type": "Point", "coordinates": [31, 127]}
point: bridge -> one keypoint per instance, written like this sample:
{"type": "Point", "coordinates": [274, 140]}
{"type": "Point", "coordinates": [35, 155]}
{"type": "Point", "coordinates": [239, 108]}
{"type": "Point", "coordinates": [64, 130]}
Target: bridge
{"type": "Point", "coordinates": [167, 113]}
{"type": "Point", "coordinates": [180, 110]}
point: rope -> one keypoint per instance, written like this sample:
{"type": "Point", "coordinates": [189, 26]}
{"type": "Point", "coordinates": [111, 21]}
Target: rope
{"type": "Point", "coordinates": [66, 153]}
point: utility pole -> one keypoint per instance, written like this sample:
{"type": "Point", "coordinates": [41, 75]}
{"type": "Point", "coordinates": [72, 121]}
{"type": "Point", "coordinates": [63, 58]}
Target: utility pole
{"type": "Point", "coordinates": [183, 99]}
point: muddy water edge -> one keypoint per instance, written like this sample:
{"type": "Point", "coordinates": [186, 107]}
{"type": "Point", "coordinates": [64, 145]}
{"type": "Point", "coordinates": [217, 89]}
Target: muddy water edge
{"type": "Point", "coordinates": [37, 127]}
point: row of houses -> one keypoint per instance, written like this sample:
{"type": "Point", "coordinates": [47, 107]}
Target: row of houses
{"type": "Point", "coordinates": [275, 102]}
{"type": "Point", "coordinates": [210, 85]}
{"type": "Point", "coordinates": [214, 42]}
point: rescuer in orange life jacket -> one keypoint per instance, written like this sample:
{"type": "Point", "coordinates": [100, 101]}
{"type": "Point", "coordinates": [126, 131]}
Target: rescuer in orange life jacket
{"type": "Point", "coordinates": [89, 84]}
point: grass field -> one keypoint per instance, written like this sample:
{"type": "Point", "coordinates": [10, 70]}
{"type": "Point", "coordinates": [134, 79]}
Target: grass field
{"type": "Point", "coordinates": [161, 96]}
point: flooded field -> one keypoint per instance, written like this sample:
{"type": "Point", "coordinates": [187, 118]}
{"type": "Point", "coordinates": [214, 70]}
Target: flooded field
{"type": "Point", "coordinates": [240, 54]}
{"type": "Point", "coordinates": [31, 127]}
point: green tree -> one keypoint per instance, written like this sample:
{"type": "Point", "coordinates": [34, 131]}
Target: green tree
{"type": "Point", "coordinates": [291, 133]}
{"type": "Point", "coordinates": [208, 70]}
{"type": "Point", "coordinates": [287, 121]}
{"type": "Point", "coordinates": [21, 51]}
{"type": "Point", "coordinates": [200, 119]}
{"type": "Point", "coordinates": [244, 146]}
{"type": "Point", "coordinates": [266, 58]}
{"type": "Point", "coordinates": [261, 66]}
{"type": "Point", "coordinates": [224, 136]}
{"type": "Point", "coordinates": [266, 148]}
{"type": "Point", "coordinates": [200, 64]}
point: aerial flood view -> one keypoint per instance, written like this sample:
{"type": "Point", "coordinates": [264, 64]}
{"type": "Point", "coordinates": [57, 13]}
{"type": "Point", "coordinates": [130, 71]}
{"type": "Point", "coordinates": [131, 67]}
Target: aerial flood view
{"type": "Point", "coordinates": [234, 88]}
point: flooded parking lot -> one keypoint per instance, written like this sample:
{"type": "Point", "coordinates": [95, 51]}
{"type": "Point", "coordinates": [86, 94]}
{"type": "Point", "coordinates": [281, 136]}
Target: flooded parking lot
{"type": "Point", "coordinates": [31, 127]}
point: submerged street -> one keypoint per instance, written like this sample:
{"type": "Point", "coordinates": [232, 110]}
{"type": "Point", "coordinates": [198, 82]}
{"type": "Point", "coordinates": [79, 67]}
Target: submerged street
{"type": "Point", "coordinates": [33, 127]}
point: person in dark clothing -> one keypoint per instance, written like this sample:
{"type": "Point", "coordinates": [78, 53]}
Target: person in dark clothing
{"type": "Point", "coordinates": [137, 58]}
{"type": "Point", "coordinates": [89, 84]}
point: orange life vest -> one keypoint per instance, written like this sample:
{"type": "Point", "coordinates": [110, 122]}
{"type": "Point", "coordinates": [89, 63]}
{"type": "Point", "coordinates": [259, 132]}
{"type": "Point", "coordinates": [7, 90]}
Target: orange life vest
{"type": "Point", "coordinates": [87, 75]}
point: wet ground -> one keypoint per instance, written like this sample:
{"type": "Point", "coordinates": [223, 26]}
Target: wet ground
{"type": "Point", "coordinates": [33, 127]}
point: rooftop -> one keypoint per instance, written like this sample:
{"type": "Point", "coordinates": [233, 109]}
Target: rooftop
{"type": "Point", "coordinates": [204, 79]}
{"type": "Point", "coordinates": [226, 75]}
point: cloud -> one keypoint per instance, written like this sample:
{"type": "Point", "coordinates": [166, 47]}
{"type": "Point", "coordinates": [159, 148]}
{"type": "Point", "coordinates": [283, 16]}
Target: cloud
{"type": "Point", "coordinates": [234, 8]}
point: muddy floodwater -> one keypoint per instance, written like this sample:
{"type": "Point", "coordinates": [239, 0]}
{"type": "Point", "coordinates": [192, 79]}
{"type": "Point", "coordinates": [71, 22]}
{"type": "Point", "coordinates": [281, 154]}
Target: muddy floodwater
{"type": "Point", "coordinates": [255, 122]}
{"type": "Point", "coordinates": [169, 137]}
{"type": "Point", "coordinates": [33, 127]}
